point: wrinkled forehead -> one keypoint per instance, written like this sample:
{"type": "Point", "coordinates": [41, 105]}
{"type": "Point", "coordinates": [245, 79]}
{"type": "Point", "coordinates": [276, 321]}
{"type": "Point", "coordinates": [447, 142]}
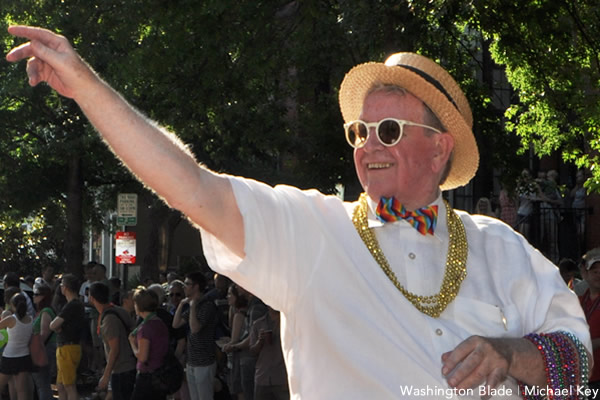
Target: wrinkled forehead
{"type": "Point", "coordinates": [393, 102]}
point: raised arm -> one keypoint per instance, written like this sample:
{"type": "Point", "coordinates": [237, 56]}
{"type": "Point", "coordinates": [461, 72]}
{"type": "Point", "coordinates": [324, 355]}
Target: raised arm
{"type": "Point", "coordinates": [157, 157]}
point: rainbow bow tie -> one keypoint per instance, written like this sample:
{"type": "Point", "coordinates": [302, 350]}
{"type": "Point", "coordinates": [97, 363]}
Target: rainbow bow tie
{"type": "Point", "coordinates": [423, 220]}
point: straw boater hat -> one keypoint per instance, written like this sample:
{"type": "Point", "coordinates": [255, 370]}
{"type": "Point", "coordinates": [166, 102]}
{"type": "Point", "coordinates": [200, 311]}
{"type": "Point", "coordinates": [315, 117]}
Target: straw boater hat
{"type": "Point", "coordinates": [431, 84]}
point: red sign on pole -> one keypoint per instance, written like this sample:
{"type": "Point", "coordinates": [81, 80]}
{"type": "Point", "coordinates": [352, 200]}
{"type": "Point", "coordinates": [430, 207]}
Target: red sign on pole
{"type": "Point", "coordinates": [125, 247]}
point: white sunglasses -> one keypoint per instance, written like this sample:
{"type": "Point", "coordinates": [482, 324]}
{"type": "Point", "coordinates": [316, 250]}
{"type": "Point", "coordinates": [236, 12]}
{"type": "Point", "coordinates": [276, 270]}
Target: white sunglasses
{"type": "Point", "coordinates": [389, 131]}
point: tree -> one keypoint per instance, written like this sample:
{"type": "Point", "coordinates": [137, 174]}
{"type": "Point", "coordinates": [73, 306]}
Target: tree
{"type": "Point", "coordinates": [551, 54]}
{"type": "Point", "coordinates": [250, 86]}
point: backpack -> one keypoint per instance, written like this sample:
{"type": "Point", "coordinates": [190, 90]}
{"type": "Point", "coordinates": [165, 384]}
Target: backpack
{"type": "Point", "coordinates": [169, 376]}
{"type": "Point", "coordinates": [116, 314]}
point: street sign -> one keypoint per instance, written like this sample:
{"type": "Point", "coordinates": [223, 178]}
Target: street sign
{"type": "Point", "coordinates": [127, 209]}
{"type": "Point", "coordinates": [125, 247]}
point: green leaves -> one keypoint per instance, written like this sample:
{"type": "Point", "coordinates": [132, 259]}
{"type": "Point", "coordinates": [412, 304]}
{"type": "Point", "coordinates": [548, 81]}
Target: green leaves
{"type": "Point", "coordinates": [252, 85]}
{"type": "Point", "coordinates": [551, 58]}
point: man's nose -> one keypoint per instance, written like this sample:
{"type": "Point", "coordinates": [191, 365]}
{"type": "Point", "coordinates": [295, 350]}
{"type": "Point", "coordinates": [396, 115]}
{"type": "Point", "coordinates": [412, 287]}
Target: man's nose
{"type": "Point", "coordinates": [373, 142]}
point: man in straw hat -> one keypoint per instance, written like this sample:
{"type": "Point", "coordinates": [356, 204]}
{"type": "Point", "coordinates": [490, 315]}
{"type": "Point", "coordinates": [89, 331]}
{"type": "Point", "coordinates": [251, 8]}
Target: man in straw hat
{"type": "Point", "coordinates": [396, 295]}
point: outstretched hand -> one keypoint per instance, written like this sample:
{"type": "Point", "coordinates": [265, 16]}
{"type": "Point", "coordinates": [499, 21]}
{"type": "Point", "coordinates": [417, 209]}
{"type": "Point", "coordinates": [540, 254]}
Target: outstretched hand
{"type": "Point", "coordinates": [51, 59]}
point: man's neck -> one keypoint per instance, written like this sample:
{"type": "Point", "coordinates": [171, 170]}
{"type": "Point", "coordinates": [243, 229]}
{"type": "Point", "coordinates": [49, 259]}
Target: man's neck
{"type": "Point", "coordinates": [102, 307]}
{"type": "Point", "coordinates": [71, 296]}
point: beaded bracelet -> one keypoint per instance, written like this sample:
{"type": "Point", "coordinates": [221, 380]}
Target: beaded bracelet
{"type": "Point", "coordinates": [584, 367]}
{"type": "Point", "coordinates": [566, 365]}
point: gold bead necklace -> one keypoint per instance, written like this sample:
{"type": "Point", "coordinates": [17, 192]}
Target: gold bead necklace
{"type": "Point", "coordinates": [456, 261]}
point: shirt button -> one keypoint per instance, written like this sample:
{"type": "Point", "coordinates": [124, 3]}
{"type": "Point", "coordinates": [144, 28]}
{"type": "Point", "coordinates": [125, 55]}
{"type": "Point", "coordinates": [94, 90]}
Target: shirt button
{"type": "Point", "coordinates": [412, 256]}
{"type": "Point", "coordinates": [439, 332]}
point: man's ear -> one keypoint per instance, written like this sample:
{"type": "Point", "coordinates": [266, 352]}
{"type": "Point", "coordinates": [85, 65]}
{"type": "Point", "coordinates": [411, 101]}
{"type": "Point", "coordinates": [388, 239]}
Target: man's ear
{"type": "Point", "coordinates": [444, 144]}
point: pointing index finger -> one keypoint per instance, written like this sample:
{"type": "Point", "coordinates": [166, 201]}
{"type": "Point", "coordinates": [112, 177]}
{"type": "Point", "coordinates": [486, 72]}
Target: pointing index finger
{"type": "Point", "coordinates": [46, 37]}
{"type": "Point", "coordinates": [31, 32]}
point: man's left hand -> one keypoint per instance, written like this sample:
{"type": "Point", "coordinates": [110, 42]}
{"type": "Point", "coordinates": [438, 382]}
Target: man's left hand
{"type": "Point", "coordinates": [477, 361]}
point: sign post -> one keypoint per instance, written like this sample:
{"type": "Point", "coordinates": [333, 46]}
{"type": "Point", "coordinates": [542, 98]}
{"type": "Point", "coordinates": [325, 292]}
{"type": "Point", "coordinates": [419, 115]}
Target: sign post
{"type": "Point", "coordinates": [125, 241]}
{"type": "Point", "coordinates": [125, 247]}
{"type": "Point", "coordinates": [127, 209]}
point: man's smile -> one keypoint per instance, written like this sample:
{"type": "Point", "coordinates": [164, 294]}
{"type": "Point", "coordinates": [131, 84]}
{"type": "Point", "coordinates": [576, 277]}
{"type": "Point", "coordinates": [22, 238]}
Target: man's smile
{"type": "Point", "coordinates": [378, 165]}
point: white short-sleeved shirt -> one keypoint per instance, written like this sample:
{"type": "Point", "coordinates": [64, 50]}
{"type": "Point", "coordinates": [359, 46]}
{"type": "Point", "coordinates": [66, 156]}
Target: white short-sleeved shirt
{"type": "Point", "coordinates": [347, 332]}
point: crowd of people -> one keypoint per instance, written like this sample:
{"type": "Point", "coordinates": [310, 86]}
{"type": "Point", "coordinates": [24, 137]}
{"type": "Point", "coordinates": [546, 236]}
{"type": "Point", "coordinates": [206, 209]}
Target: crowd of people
{"type": "Point", "coordinates": [537, 207]}
{"type": "Point", "coordinates": [225, 339]}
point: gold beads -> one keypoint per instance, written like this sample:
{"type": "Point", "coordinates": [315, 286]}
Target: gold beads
{"type": "Point", "coordinates": [456, 260]}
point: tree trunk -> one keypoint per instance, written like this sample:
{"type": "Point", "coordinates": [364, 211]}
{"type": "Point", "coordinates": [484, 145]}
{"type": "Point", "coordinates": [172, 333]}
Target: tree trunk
{"type": "Point", "coordinates": [163, 221]}
{"type": "Point", "coordinates": [74, 202]}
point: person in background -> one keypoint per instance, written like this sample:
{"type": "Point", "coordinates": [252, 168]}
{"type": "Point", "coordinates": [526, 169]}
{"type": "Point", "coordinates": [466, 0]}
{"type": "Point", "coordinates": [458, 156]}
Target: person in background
{"type": "Point", "coordinates": [11, 279]}
{"type": "Point", "coordinates": [590, 302]}
{"type": "Point", "coordinates": [96, 357]}
{"type": "Point", "coordinates": [90, 354]}
{"type": "Point", "coordinates": [48, 277]}
{"type": "Point", "coordinates": [100, 273]}
{"type": "Point", "coordinates": [114, 327]}
{"type": "Point", "coordinates": [29, 280]}
{"type": "Point", "coordinates": [150, 343]}
{"type": "Point", "coordinates": [569, 271]}
{"type": "Point", "coordinates": [552, 200]}
{"type": "Point", "coordinates": [16, 359]}
{"type": "Point", "coordinates": [128, 304]}
{"type": "Point", "coordinates": [176, 294]}
{"type": "Point", "coordinates": [58, 300]}
{"type": "Point", "coordinates": [577, 197]}
{"type": "Point", "coordinates": [114, 285]}
{"type": "Point", "coordinates": [218, 294]}
{"type": "Point", "coordinates": [172, 276]}
{"type": "Point", "coordinates": [89, 275]}
{"type": "Point", "coordinates": [42, 376]}
{"type": "Point", "coordinates": [162, 280]}
{"type": "Point", "coordinates": [201, 318]}
{"type": "Point", "coordinates": [508, 205]}
{"type": "Point", "coordinates": [270, 379]}
{"type": "Point", "coordinates": [484, 207]}
{"type": "Point", "coordinates": [528, 191]}
{"type": "Point", "coordinates": [238, 306]}
{"type": "Point", "coordinates": [175, 335]}
{"type": "Point", "coordinates": [160, 292]}
{"type": "Point", "coordinates": [69, 324]}
{"type": "Point", "coordinates": [8, 294]}
{"type": "Point", "coordinates": [256, 309]}
{"type": "Point", "coordinates": [6, 311]}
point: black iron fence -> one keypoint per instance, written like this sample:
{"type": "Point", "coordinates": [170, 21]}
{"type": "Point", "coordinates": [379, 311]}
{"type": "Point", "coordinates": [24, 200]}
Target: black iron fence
{"type": "Point", "coordinates": [557, 232]}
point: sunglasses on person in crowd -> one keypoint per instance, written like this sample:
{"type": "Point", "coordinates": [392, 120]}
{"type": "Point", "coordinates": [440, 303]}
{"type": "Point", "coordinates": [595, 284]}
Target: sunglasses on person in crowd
{"type": "Point", "coordinates": [389, 131]}
{"type": "Point", "coordinates": [176, 294]}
